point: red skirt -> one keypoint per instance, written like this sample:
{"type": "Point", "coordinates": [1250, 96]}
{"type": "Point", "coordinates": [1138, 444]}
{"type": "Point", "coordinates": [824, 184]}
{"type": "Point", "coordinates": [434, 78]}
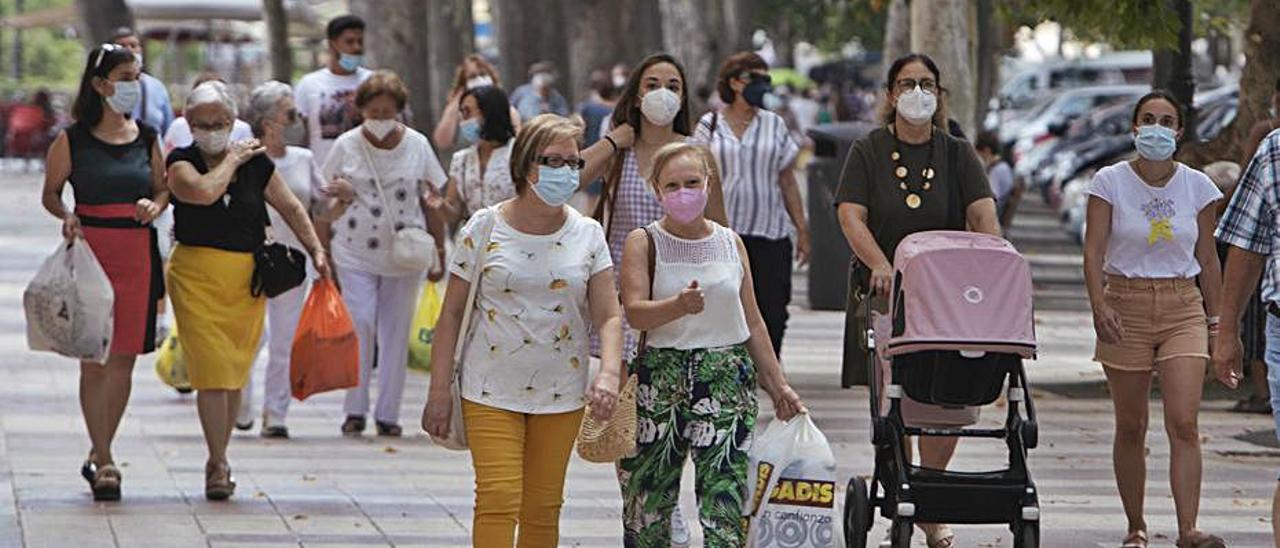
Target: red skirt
{"type": "Point", "coordinates": [129, 254]}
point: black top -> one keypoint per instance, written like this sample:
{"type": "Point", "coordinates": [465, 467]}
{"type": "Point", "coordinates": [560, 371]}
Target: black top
{"type": "Point", "coordinates": [236, 221]}
{"type": "Point", "coordinates": [868, 179]}
{"type": "Point", "coordinates": [103, 173]}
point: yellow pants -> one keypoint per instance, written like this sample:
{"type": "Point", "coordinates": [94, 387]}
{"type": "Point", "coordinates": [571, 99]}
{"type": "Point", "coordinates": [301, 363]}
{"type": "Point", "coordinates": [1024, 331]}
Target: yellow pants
{"type": "Point", "coordinates": [520, 462]}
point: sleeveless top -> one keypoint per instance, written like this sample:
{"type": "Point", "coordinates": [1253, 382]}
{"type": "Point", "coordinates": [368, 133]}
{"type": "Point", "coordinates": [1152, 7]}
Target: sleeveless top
{"type": "Point", "coordinates": [714, 262]}
{"type": "Point", "coordinates": [236, 221]}
{"type": "Point", "coordinates": [103, 173]}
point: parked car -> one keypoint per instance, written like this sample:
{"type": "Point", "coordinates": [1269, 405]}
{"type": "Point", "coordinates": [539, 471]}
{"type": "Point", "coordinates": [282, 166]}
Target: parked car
{"type": "Point", "coordinates": [1068, 106]}
{"type": "Point", "coordinates": [1032, 83]}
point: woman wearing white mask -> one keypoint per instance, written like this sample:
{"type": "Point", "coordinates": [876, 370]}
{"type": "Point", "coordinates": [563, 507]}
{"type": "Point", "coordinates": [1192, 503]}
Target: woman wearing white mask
{"type": "Point", "coordinates": [1154, 281]}
{"type": "Point", "coordinates": [391, 170]}
{"type": "Point", "coordinates": [480, 175]}
{"type": "Point", "coordinates": [906, 177]}
{"type": "Point", "coordinates": [220, 192]}
{"type": "Point", "coordinates": [117, 176]}
{"type": "Point", "coordinates": [546, 281]}
{"type": "Point", "coordinates": [474, 72]}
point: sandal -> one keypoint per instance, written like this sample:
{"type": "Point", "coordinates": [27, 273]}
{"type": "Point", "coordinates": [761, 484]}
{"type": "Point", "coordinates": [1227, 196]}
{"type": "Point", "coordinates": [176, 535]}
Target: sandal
{"type": "Point", "coordinates": [354, 425]}
{"type": "Point", "coordinates": [106, 483]}
{"type": "Point", "coordinates": [388, 429]}
{"type": "Point", "coordinates": [1253, 405]}
{"type": "Point", "coordinates": [1136, 539]}
{"type": "Point", "coordinates": [940, 537]}
{"type": "Point", "coordinates": [88, 470]}
{"type": "Point", "coordinates": [218, 484]}
{"type": "Point", "coordinates": [1200, 539]}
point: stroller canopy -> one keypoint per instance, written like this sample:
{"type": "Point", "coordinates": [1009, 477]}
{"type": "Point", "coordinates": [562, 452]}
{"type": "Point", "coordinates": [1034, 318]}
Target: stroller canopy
{"type": "Point", "coordinates": [961, 291]}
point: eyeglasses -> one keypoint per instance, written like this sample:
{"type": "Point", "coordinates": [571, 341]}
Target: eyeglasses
{"type": "Point", "coordinates": [756, 77]}
{"type": "Point", "coordinates": [103, 50]}
{"type": "Point", "coordinates": [210, 126]}
{"type": "Point", "coordinates": [907, 84]}
{"type": "Point", "coordinates": [557, 162]}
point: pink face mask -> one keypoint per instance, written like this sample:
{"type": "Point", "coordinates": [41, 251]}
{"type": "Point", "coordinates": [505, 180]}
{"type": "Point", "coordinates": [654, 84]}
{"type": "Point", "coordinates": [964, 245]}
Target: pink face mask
{"type": "Point", "coordinates": [685, 205]}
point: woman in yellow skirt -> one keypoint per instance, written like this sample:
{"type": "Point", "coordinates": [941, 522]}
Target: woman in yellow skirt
{"type": "Point", "coordinates": [220, 195]}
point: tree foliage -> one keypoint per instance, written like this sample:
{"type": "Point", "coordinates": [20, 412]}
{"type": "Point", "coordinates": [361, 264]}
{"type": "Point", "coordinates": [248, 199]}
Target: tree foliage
{"type": "Point", "coordinates": [828, 24]}
{"type": "Point", "coordinates": [1126, 24]}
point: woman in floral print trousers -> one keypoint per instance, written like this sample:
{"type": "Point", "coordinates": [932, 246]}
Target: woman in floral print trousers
{"type": "Point", "coordinates": [687, 283]}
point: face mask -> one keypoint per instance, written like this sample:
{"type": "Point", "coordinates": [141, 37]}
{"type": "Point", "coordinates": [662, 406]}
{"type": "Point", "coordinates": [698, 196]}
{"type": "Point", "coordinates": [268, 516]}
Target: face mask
{"type": "Point", "coordinates": [542, 80]}
{"type": "Point", "coordinates": [660, 106]}
{"type": "Point", "coordinates": [470, 130]}
{"type": "Point", "coordinates": [556, 185]}
{"type": "Point", "coordinates": [619, 80]}
{"type": "Point", "coordinates": [772, 101]}
{"type": "Point", "coordinates": [295, 133]}
{"type": "Point", "coordinates": [755, 91]}
{"type": "Point", "coordinates": [1156, 142]}
{"type": "Point", "coordinates": [212, 143]}
{"type": "Point", "coordinates": [350, 62]}
{"type": "Point", "coordinates": [917, 105]}
{"type": "Point", "coordinates": [380, 128]}
{"type": "Point", "coordinates": [138, 57]}
{"type": "Point", "coordinates": [126, 96]}
{"type": "Point", "coordinates": [479, 82]}
{"type": "Point", "coordinates": [685, 205]}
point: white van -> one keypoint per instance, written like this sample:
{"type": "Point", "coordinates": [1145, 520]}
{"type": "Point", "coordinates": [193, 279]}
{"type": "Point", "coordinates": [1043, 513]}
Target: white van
{"type": "Point", "coordinates": [1023, 88]}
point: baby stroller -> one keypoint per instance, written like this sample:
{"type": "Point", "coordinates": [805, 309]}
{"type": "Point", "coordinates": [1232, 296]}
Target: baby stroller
{"type": "Point", "coordinates": [960, 324]}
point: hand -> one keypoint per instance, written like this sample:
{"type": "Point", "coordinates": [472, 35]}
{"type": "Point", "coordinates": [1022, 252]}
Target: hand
{"type": "Point", "coordinates": [690, 299]}
{"type": "Point", "coordinates": [1228, 361]}
{"type": "Point", "coordinates": [146, 211]}
{"type": "Point", "coordinates": [602, 397]}
{"type": "Point", "coordinates": [242, 151]}
{"type": "Point", "coordinates": [436, 274]}
{"type": "Point", "coordinates": [786, 403]}
{"type": "Point", "coordinates": [802, 247]}
{"type": "Point", "coordinates": [437, 414]}
{"type": "Point", "coordinates": [434, 202]}
{"type": "Point", "coordinates": [71, 227]}
{"type": "Point", "coordinates": [624, 136]}
{"type": "Point", "coordinates": [341, 189]}
{"type": "Point", "coordinates": [882, 280]}
{"type": "Point", "coordinates": [1106, 322]}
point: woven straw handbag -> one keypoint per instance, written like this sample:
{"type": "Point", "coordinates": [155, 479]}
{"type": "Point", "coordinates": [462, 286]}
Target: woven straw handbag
{"type": "Point", "coordinates": [615, 438]}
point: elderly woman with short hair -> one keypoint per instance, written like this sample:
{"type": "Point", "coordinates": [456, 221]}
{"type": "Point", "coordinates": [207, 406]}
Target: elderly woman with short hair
{"type": "Point", "coordinates": [220, 191]}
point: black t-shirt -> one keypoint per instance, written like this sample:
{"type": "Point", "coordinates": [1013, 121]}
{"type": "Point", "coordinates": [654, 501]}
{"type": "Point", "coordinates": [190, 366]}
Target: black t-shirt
{"type": "Point", "coordinates": [103, 173]}
{"type": "Point", "coordinates": [868, 180]}
{"type": "Point", "coordinates": [236, 221]}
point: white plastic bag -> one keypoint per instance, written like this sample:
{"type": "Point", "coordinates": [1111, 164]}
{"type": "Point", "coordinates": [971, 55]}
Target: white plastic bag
{"type": "Point", "coordinates": [69, 305]}
{"type": "Point", "coordinates": [793, 463]}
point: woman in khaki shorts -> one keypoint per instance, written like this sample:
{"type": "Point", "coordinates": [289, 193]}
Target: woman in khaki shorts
{"type": "Point", "coordinates": [1149, 237]}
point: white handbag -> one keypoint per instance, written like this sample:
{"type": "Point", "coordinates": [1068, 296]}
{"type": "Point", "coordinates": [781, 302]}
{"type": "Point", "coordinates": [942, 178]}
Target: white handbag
{"type": "Point", "coordinates": [412, 248]}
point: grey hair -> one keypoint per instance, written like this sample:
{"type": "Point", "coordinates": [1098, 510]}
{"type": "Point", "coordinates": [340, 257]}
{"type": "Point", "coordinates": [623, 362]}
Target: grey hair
{"type": "Point", "coordinates": [212, 92]}
{"type": "Point", "coordinates": [263, 102]}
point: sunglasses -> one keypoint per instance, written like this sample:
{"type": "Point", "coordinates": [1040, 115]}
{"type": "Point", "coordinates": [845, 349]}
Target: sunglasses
{"type": "Point", "coordinates": [103, 50]}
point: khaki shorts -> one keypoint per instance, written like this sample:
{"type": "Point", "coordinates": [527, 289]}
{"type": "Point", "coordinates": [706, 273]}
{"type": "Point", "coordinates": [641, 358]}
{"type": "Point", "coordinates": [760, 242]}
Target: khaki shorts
{"type": "Point", "coordinates": [1163, 319]}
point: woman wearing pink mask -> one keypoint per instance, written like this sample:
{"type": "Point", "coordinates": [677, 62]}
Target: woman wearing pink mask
{"type": "Point", "coordinates": [687, 282]}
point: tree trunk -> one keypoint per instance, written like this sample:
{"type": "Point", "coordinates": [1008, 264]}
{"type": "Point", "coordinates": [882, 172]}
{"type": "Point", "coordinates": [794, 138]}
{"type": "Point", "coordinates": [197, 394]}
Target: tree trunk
{"type": "Point", "coordinates": [100, 18]}
{"type": "Point", "coordinates": [529, 31]}
{"type": "Point", "coordinates": [988, 59]}
{"type": "Point", "coordinates": [642, 20]}
{"type": "Point", "coordinates": [278, 39]}
{"type": "Point", "coordinates": [19, 6]}
{"type": "Point", "coordinates": [397, 45]}
{"type": "Point", "coordinates": [451, 37]}
{"type": "Point", "coordinates": [1172, 68]}
{"type": "Point", "coordinates": [940, 29]}
{"type": "Point", "coordinates": [687, 35]}
{"type": "Point", "coordinates": [739, 16]}
{"type": "Point", "coordinates": [784, 42]}
{"type": "Point", "coordinates": [897, 32]}
{"type": "Point", "coordinates": [598, 22]}
{"type": "Point", "coordinates": [1257, 83]}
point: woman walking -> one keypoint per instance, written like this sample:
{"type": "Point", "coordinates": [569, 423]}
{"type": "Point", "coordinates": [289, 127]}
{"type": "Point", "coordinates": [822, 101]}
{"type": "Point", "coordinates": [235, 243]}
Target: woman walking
{"type": "Point", "coordinates": [546, 281]}
{"type": "Point", "coordinates": [756, 157]}
{"type": "Point", "coordinates": [473, 72]}
{"type": "Point", "coordinates": [687, 282]}
{"type": "Point", "coordinates": [1154, 283]}
{"type": "Point", "coordinates": [221, 191]}
{"type": "Point", "coordinates": [480, 175]}
{"type": "Point", "coordinates": [392, 170]}
{"type": "Point", "coordinates": [116, 173]}
{"type": "Point", "coordinates": [906, 177]}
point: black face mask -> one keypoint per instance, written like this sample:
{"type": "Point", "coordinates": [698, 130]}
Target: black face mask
{"type": "Point", "coordinates": [754, 93]}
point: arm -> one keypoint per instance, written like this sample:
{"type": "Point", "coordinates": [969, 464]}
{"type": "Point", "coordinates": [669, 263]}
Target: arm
{"type": "Point", "coordinates": [436, 227]}
{"type": "Point", "coordinates": [786, 403]}
{"type": "Point", "coordinates": [57, 170]}
{"type": "Point", "coordinates": [795, 208]}
{"type": "Point", "coordinates": [192, 187]}
{"type": "Point", "coordinates": [1207, 255]}
{"type": "Point", "coordinates": [150, 208]}
{"type": "Point", "coordinates": [295, 215]}
{"type": "Point", "coordinates": [166, 107]}
{"type": "Point", "coordinates": [1106, 322]}
{"type": "Point", "coordinates": [981, 216]}
{"type": "Point", "coordinates": [605, 318]}
{"type": "Point", "coordinates": [447, 128]}
{"type": "Point", "coordinates": [1244, 269]}
{"type": "Point", "coordinates": [715, 202]}
{"type": "Point", "coordinates": [643, 313]}
{"type": "Point", "coordinates": [853, 222]}
{"type": "Point", "coordinates": [597, 156]}
{"type": "Point", "coordinates": [439, 408]}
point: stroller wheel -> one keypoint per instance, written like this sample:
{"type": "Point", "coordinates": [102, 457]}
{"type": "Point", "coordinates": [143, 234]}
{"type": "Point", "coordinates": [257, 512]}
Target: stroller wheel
{"type": "Point", "coordinates": [1026, 534]}
{"type": "Point", "coordinates": [900, 534]}
{"type": "Point", "coordinates": [857, 513]}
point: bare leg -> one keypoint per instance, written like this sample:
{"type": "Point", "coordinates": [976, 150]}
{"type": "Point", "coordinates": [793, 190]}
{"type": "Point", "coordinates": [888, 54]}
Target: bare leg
{"type": "Point", "coordinates": [1130, 391]}
{"type": "Point", "coordinates": [104, 394]}
{"type": "Point", "coordinates": [1258, 370]}
{"type": "Point", "coordinates": [1275, 515]}
{"type": "Point", "coordinates": [936, 453]}
{"type": "Point", "coordinates": [1181, 383]}
{"type": "Point", "coordinates": [217, 418]}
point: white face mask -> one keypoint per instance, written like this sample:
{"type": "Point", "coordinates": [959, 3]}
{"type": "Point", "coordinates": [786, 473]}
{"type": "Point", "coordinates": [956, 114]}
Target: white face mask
{"type": "Point", "coordinates": [917, 105]}
{"type": "Point", "coordinates": [479, 82]}
{"type": "Point", "coordinates": [380, 128]}
{"type": "Point", "coordinates": [212, 143]}
{"type": "Point", "coordinates": [660, 106]}
{"type": "Point", "coordinates": [619, 80]}
{"type": "Point", "coordinates": [542, 80]}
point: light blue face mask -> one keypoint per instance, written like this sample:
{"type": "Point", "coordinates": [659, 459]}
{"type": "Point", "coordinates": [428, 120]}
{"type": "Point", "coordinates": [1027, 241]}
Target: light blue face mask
{"type": "Point", "coordinates": [126, 96]}
{"type": "Point", "coordinates": [1156, 142]}
{"type": "Point", "coordinates": [556, 184]}
{"type": "Point", "coordinates": [470, 130]}
{"type": "Point", "coordinates": [350, 62]}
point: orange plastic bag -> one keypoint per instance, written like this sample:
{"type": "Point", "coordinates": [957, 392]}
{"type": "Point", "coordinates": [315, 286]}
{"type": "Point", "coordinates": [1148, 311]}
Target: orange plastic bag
{"type": "Point", "coordinates": [326, 351]}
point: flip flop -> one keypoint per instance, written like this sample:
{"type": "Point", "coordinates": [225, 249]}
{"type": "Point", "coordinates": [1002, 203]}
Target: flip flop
{"type": "Point", "coordinates": [940, 537]}
{"type": "Point", "coordinates": [1200, 539]}
{"type": "Point", "coordinates": [1136, 539]}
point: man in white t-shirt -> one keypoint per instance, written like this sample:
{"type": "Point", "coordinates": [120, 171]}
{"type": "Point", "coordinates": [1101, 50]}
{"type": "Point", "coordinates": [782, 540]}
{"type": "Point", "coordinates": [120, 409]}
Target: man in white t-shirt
{"type": "Point", "coordinates": [326, 97]}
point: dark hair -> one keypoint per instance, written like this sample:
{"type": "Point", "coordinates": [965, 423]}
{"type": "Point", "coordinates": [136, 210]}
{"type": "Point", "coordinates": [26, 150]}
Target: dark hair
{"type": "Point", "coordinates": [887, 111]}
{"type": "Point", "coordinates": [122, 32]}
{"type": "Point", "coordinates": [102, 60]}
{"type": "Point", "coordinates": [1277, 84]}
{"type": "Point", "coordinates": [343, 23]}
{"type": "Point", "coordinates": [496, 110]}
{"type": "Point", "coordinates": [1159, 94]}
{"type": "Point", "coordinates": [987, 140]}
{"type": "Point", "coordinates": [628, 109]}
{"type": "Point", "coordinates": [736, 64]}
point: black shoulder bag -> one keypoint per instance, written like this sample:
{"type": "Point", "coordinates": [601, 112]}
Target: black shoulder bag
{"type": "Point", "coordinates": [277, 268]}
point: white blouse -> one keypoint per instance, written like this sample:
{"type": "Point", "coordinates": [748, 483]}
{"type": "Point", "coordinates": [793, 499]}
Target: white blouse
{"type": "Point", "coordinates": [716, 265]}
{"type": "Point", "coordinates": [480, 192]}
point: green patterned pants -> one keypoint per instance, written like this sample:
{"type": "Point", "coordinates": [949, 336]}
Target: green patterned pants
{"type": "Point", "coordinates": [702, 400]}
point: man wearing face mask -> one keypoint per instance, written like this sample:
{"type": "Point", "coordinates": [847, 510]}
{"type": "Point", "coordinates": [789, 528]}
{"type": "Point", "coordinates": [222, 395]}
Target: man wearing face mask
{"type": "Point", "coordinates": [325, 98]}
{"type": "Point", "coordinates": [539, 96]}
{"type": "Point", "coordinates": [154, 107]}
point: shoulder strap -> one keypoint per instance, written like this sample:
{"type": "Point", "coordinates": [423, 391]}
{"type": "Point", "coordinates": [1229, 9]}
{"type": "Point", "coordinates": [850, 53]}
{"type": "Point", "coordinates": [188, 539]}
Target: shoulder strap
{"type": "Point", "coordinates": [377, 179]}
{"type": "Point", "coordinates": [715, 122]}
{"type": "Point", "coordinates": [653, 258]}
{"type": "Point", "coordinates": [486, 221]}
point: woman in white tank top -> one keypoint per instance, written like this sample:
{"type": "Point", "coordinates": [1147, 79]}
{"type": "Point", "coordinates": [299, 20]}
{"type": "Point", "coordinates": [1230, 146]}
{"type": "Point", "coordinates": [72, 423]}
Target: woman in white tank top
{"type": "Point", "coordinates": [687, 283]}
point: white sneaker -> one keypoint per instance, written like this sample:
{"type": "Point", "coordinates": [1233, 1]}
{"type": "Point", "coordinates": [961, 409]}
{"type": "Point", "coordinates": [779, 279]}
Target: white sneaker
{"type": "Point", "coordinates": [680, 536]}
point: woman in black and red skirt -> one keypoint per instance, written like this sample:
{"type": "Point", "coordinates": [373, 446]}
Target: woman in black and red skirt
{"type": "Point", "coordinates": [116, 172]}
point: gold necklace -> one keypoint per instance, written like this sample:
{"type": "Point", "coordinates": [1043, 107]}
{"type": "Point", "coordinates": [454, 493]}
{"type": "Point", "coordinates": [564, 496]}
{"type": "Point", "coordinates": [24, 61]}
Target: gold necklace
{"type": "Point", "coordinates": [915, 196]}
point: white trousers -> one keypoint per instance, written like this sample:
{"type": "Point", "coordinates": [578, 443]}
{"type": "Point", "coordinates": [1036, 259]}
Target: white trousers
{"type": "Point", "coordinates": [382, 308]}
{"type": "Point", "coordinates": [283, 313]}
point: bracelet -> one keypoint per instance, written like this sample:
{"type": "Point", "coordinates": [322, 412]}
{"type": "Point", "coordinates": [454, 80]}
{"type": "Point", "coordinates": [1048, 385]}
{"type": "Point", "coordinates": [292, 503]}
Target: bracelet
{"type": "Point", "coordinates": [612, 143]}
{"type": "Point", "coordinates": [1214, 320]}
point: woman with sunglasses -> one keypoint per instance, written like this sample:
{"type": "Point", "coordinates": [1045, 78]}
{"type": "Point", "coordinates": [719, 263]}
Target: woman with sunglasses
{"type": "Point", "coordinates": [116, 173]}
{"type": "Point", "coordinates": [757, 162]}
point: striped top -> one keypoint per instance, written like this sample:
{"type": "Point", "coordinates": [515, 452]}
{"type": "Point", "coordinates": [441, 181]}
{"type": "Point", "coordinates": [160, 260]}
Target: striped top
{"type": "Point", "coordinates": [750, 169]}
{"type": "Point", "coordinates": [633, 207]}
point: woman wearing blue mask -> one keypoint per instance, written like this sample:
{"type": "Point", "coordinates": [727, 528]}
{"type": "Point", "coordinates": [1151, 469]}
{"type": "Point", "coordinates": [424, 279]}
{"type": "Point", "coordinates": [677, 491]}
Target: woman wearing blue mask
{"type": "Point", "coordinates": [479, 175]}
{"type": "Point", "coordinates": [473, 72]}
{"type": "Point", "coordinates": [546, 280]}
{"type": "Point", "coordinates": [1154, 284]}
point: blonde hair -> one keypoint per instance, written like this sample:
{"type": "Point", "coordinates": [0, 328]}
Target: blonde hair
{"type": "Point", "coordinates": [679, 149]}
{"type": "Point", "coordinates": [382, 82]}
{"type": "Point", "coordinates": [534, 137]}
